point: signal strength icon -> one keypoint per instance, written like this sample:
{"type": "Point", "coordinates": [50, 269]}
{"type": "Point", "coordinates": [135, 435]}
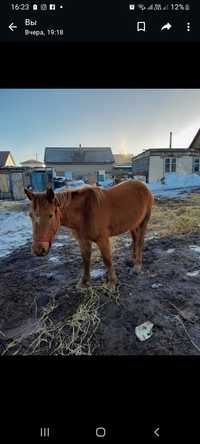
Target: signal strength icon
{"type": "Point", "coordinates": [150, 8]}
{"type": "Point", "coordinates": [166, 8]}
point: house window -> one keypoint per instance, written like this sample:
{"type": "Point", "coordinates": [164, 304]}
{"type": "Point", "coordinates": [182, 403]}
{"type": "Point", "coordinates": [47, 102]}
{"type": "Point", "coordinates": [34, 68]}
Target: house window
{"type": "Point", "coordinates": [167, 165]}
{"type": "Point", "coordinates": [196, 165]}
{"type": "Point", "coordinates": [170, 165]}
{"type": "Point", "coordinates": [173, 165]}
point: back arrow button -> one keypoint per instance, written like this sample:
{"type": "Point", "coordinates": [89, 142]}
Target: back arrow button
{"type": "Point", "coordinates": [12, 27]}
{"type": "Point", "coordinates": [157, 432]}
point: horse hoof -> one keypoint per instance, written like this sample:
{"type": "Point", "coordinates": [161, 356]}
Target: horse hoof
{"type": "Point", "coordinates": [137, 268]}
{"type": "Point", "coordinates": [112, 285]}
{"type": "Point", "coordinates": [83, 284]}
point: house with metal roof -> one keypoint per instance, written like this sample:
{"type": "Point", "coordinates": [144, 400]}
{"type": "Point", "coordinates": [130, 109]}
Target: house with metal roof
{"type": "Point", "coordinates": [80, 161]}
{"type": "Point", "coordinates": [155, 163]}
{"type": "Point", "coordinates": [6, 159]}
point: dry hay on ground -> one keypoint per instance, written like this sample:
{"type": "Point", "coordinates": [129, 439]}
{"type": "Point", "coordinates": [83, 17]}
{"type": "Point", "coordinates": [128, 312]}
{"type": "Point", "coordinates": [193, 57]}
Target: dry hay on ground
{"type": "Point", "coordinates": [171, 217]}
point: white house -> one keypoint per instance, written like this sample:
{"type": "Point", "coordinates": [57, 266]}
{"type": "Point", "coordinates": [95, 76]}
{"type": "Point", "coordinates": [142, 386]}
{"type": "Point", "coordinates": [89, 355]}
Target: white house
{"type": "Point", "coordinates": [155, 163]}
{"type": "Point", "coordinates": [32, 163]}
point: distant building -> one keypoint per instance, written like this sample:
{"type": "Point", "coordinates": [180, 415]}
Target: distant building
{"type": "Point", "coordinates": [155, 163]}
{"type": "Point", "coordinates": [6, 159]}
{"type": "Point", "coordinates": [32, 163]}
{"type": "Point", "coordinates": [81, 161]}
{"type": "Point", "coordinates": [123, 159]}
{"type": "Point", "coordinates": [13, 179]}
{"type": "Point", "coordinates": [123, 165]}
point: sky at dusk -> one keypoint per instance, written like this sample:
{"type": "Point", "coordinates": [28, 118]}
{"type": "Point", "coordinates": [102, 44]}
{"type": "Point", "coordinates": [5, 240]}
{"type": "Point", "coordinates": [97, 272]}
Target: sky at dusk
{"type": "Point", "coordinates": [127, 120]}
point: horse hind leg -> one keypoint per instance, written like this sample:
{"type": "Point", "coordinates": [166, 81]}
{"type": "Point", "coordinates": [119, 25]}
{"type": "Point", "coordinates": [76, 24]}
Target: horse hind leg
{"type": "Point", "coordinates": [138, 243]}
{"type": "Point", "coordinates": [105, 249]}
{"type": "Point", "coordinates": [86, 251]}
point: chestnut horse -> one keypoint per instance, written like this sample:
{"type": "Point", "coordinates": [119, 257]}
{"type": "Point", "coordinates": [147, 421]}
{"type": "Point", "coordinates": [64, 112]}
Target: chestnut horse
{"type": "Point", "coordinates": [94, 215]}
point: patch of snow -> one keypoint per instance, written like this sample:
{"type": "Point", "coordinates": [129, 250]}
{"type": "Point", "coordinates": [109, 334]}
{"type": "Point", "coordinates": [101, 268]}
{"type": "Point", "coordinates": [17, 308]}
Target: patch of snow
{"type": "Point", "coordinates": [61, 236]}
{"type": "Point", "coordinates": [127, 244]}
{"type": "Point", "coordinates": [156, 285]}
{"type": "Point", "coordinates": [152, 236]}
{"type": "Point", "coordinates": [55, 259]}
{"type": "Point", "coordinates": [73, 184]}
{"type": "Point", "coordinates": [193, 273]}
{"type": "Point", "coordinates": [107, 183]}
{"type": "Point", "coordinates": [95, 274]}
{"type": "Point", "coordinates": [57, 244]}
{"type": "Point", "coordinates": [195, 248]}
{"type": "Point", "coordinates": [57, 190]}
{"type": "Point", "coordinates": [170, 250]}
{"type": "Point", "coordinates": [175, 184]}
{"type": "Point", "coordinates": [15, 227]}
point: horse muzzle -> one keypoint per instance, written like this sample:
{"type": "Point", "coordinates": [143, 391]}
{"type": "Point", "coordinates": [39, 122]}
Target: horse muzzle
{"type": "Point", "coordinates": [40, 248]}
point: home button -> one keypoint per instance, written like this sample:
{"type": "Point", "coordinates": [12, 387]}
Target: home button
{"type": "Point", "coordinates": [100, 432]}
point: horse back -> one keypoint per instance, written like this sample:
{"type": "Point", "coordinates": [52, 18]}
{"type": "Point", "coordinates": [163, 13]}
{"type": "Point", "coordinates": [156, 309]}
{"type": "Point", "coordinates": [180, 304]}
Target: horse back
{"type": "Point", "coordinates": [121, 208]}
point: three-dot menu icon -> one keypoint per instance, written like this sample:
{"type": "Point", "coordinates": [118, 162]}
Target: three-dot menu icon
{"type": "Point", "coordinates": [188, 26]}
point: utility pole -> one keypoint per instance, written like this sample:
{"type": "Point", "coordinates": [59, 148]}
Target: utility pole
{"type": "Point", "coordinates": [170, 140]}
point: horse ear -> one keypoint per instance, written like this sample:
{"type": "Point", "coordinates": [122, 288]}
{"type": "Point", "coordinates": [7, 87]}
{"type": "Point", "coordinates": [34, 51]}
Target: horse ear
{"type": "Point", "coordinates": [28, 193]}
{"type": "Point", "coordinates": [50, 194]}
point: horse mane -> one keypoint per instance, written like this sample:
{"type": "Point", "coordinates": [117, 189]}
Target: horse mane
{"type": "Point", "coordinates": [95, 193]}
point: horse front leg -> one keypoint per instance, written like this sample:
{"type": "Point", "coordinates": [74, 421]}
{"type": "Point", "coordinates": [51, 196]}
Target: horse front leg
{"type": "Point", "coordinates": [86, 251]}
{"type": "Point", "coordinates": [105, 249]}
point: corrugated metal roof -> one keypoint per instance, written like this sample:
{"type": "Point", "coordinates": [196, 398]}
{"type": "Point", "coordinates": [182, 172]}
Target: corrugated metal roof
{"type": "Point", "coordinates": [32, 161]}
{"type": "Point", "coordinates": [155, 151]}
{"type": "Point", "coordinates": [83, 155]}
{"type": "Point", "coordinates": [3, 157]}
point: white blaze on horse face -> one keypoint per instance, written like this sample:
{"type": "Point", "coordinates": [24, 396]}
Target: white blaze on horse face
{"type": "Point", "coordinates": [37, 219]}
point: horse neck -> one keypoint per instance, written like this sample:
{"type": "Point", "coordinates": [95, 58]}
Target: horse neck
{"type": "Point", "coordinates": [69, 215]}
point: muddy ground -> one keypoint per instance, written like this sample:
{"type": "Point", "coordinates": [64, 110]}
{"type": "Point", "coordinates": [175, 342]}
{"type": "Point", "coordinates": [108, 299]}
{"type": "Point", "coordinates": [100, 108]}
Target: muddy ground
{"type": "Point", "coordinates": [43, 312]}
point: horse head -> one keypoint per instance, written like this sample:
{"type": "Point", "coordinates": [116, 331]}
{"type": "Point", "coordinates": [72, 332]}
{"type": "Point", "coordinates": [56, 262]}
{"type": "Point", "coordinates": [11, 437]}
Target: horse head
{"type": "Point", "coordinates": [45, 216]}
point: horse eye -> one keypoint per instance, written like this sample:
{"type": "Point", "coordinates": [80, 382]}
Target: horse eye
{"type": "Point", "coordinates": [50, 216]}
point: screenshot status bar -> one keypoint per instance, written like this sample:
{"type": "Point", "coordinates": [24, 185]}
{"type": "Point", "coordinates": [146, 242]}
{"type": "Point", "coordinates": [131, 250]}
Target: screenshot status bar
{"type": "Point", "coordinates": [88, 21]}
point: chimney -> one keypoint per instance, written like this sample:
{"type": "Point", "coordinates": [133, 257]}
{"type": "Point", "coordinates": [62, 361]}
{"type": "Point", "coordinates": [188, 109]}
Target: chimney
{"type": "Point", "coordinates": [170, 140]}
